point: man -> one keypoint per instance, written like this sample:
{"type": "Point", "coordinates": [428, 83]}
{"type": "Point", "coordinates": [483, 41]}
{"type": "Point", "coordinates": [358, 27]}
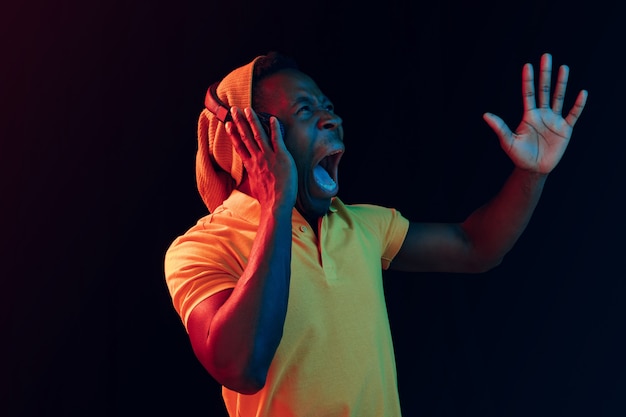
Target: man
{"type": "Point", "coordinates": [280, 286]}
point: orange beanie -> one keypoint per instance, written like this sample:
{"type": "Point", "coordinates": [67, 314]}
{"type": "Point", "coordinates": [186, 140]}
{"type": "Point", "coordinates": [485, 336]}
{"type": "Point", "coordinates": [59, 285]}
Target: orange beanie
{"type": "Point", "coordinates": [219, 169]}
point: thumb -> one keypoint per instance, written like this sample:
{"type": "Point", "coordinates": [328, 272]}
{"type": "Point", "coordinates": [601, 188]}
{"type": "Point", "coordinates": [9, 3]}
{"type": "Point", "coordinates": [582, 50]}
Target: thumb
{"type": "Point", "coordinates": [498, 126]}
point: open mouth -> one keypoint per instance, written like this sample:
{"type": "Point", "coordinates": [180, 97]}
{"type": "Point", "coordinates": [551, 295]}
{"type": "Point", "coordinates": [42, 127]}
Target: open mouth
{"type": "Point", "coordinates": [325, 173]}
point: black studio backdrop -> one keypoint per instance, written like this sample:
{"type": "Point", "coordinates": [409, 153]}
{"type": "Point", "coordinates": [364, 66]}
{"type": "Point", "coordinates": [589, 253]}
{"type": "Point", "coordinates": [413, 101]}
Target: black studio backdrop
{"type": "Point", "coordinates": [99, 109]}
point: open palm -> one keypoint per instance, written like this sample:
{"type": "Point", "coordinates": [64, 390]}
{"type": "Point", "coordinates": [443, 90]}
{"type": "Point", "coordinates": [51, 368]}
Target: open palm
{"type": "Point", "coordinates": [542, 136]}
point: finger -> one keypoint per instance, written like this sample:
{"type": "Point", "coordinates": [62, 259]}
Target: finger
{"type": "Point", "coordinates": [579, 105]}
{"type": "Point", "coordinates": [243, 130]}
{"type": "Point", "coordinates": [236, 140]}
{"type": "Point", "coordinates": [545, 77]}
{"type": "Point", "coordinates": [257, 129]}
{"type": "Point", "coordinates": [500, 128]}
{"type": "Point", "coordinates": [528, 87]}
{"type": "Point", "coordinates": [277, 139]}
{"type": "Point", "coordinates": [559, 91]}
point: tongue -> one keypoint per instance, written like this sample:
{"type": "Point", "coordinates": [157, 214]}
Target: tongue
{"type": "Point", "coordinates": [323, 179]}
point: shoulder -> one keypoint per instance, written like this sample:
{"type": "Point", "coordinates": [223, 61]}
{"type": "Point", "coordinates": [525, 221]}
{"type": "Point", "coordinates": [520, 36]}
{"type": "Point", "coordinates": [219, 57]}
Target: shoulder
{"type": "Point", "coordinates": [376, 219]}
{"type": "Point", "coordinates": [366, 212]}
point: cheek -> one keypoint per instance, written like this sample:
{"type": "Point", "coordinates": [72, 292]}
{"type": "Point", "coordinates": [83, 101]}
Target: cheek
{"type": "Point", "coordinates": [300, 155]}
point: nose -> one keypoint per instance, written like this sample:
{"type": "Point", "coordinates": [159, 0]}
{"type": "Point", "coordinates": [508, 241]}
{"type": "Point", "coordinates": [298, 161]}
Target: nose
{"type": "Point", "coordinates": [329, 120]}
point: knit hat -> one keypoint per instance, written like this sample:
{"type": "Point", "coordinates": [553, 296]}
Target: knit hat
{"type": "Point", "coordinates": [219, 169]}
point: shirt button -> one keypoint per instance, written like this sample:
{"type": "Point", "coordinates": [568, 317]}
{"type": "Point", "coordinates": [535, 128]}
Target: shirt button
{"type": "Point", "coordinates": [303, 229]}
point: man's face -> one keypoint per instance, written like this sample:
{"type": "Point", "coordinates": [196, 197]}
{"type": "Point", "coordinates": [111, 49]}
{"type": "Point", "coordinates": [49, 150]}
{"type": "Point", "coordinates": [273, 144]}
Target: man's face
{"type": "Point", "coordinates": [313, 136]}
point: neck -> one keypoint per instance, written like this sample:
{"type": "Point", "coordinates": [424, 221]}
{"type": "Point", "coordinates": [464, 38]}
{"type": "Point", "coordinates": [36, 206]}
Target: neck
{"type": "Point", "coordinates": [311, 219]}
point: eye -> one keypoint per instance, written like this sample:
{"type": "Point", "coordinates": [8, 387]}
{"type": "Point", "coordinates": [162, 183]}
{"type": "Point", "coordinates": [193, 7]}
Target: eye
{"type": "Point", "coordinates": [303, 109]}
{"type": "Point", "coordinates": [330, 108]}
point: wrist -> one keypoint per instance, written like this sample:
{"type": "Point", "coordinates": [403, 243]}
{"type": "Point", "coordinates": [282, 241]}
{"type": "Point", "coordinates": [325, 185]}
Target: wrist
{"type": "Point", "coordinates": [531, 174]}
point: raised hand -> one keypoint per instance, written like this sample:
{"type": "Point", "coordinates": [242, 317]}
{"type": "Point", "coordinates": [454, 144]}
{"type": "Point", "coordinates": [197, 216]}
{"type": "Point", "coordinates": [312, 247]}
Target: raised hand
{"type": "Point", "coordinates": [271, 170]}
{"type": "Point", "coordinates": [542, 136]}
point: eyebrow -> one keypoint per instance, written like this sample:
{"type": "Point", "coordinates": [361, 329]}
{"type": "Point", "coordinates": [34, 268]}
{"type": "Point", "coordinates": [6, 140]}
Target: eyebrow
{"type": "Point", "coordinates": [305, 98]}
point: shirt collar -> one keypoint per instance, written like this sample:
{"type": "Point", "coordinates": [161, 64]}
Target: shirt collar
{"type": "Point", "coordinates": [249, 208]}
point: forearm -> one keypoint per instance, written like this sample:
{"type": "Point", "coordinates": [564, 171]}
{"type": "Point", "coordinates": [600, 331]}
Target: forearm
{"type": "Point", "coordinates": [493, 229]}
{"type": "Point", "coordinates": [247, 329]}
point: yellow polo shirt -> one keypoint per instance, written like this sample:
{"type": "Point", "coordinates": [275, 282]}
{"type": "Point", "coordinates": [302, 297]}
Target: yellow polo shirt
{"type": "Point", "coordinates": [336, 356]}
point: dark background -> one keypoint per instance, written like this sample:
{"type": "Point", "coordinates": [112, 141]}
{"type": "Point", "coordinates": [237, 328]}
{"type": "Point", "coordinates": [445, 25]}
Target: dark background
{"type": "Point", "coordinates": [99, 108]}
